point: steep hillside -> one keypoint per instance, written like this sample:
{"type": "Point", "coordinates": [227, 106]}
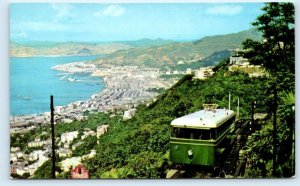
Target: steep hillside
{"type": "Point", "coordinates": [138, 148]}
{"type": "Point", "coordinates": [212, 60]}
{"type": "Point", "coordinates": [183, 52]}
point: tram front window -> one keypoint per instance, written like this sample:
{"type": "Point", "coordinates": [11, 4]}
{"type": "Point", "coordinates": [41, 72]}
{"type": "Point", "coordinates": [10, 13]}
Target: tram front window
{"type": "Point", "coordinates": [197, 134]}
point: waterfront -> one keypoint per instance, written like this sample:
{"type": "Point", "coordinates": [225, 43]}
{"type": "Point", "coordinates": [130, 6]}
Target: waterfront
{"type": "Point", "coordinates": [125, 87]}
{"type": "Point", "coordinates": [32, 81]}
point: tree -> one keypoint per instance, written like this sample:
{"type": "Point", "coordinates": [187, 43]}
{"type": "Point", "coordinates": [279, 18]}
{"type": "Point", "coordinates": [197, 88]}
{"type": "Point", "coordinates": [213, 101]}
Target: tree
{"type": "Point", "coordinates": [277, 54]}
{"type": "Point", "coordinates": [44, 171]}
{"type": "Point", "coordinates": [277, 50]}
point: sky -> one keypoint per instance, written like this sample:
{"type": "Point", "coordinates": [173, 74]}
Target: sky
{"type": "Point", "coordinates": [124, 22]}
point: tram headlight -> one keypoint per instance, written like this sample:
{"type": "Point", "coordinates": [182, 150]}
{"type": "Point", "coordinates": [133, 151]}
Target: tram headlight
{"type": "Point", "coordinates": [176, 147]}
{"type": "Point", "coordinates": [190, 153]}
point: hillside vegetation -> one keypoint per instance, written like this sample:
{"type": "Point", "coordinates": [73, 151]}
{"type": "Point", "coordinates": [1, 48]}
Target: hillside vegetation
{"type": "Point", "coordinates": [138, 148]}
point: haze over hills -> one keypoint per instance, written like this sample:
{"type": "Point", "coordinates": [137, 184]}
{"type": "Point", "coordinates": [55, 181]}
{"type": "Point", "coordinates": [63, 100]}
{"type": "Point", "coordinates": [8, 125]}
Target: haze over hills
{"type": "Point", "coordinates": [63, 49]}
{"type": "Point", "coordinates": [48, 48]}
{"type": "Point", "coordinates": [145, 52]}
{"type": "Point", "coordinates": [147, 42]}
{"type": "Point", "coordinates": [181, 52]}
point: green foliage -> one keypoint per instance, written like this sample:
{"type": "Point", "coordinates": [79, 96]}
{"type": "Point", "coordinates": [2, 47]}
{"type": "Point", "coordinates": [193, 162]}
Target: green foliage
{"type": "Point", "coordinates": [64, 175]}
{"type": "Point", "coordinates": [44, 171]}
{"type": "Point", "coordinates": [171, 76]}
{"type": "Point", "coordinates": [211, 60]}
{"type": "Point", "coordinates": [17, 176]}
{"type": "Point", "coordinates": [158, 90]}
{"type": "Point", "coordinates": [136, 148]}
{"type": "Point", "coordinates": [21, 140]}
{"type": "Point", "coordinates": [259, 151]}
{"type": "Point", "coordinates": [150, 167]}
{"type": "Point", "coordinates": [88, 144]}
{"type": "Point", "coordinates": [277, 55]}
{"type": "Point", "coordinates": [277, 52]}
{"type": "Point", "coordinates": [222, 65]}
{"type": "Point", "coordinates": [93, 121]}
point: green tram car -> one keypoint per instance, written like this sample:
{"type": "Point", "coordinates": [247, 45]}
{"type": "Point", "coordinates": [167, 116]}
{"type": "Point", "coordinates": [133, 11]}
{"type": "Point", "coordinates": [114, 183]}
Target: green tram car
{"type": "Point", "coordinates": [196, 137]}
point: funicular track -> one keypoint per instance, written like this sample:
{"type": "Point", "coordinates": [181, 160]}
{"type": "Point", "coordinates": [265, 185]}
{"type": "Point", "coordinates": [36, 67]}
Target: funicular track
{"type": "Point", "coordinates": [233, 165]}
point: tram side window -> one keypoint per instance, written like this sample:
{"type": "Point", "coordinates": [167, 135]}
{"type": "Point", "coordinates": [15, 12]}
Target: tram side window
{"type": "Point", "coordinates": [180, 133]}
{"type": "Point", "coordinates": [197, 134]}
{"type": "Point", "coordinates": [204, 134]}
{"type": "Point", "coordinates": [176, 132]}
{"type": "Point", "coordinates": [221, 130]}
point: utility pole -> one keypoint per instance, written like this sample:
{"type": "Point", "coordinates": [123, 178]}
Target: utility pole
{"type": "Point", "coordinates": [252, 115]}
{"type": "Point", "coordinates": [53, 136]}
{"type": "Point", "coordinates": [229, 99]}
{"type": "Point", "coordinates": [274, 131]}
{"type": "Point", "coordinates": [238, 109]}
{"type": "Point", "coordinates": [293, 141]}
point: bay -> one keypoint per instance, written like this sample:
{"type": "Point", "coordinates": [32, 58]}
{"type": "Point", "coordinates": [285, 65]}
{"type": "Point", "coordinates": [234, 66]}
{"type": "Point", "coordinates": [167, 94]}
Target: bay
{"type": "Point", "coordinates": [32, 81]}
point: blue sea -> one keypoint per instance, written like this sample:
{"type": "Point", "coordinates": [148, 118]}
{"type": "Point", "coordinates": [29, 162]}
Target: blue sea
{"type": "Point", "coordinates": [32, 81]}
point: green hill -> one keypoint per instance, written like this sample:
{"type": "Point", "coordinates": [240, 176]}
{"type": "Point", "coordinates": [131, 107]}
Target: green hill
{"type": "Point", "coordinates": [138, 148]}
{"type": "Point", "coordinates": [212, 60]}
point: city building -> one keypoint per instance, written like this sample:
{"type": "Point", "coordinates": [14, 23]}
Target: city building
{"type": "Point", "coordinates": [102, 129]}
{"type": "Point", "coordinates": [188, 71]}
{"type": "Point", "coordinates": [204, 73]}
{"type": "Point", "coordinates": [238, 60]}
{"type": "Point", "coordinates": [129, 114]}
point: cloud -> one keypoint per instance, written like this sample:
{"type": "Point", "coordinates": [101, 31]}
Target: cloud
{"type": "Point", "coordinates": [112, 11]}
{"type": "Point", "coordinates": [63, 11]}
{"type": "Point", "coordinates": [19, 35]}
{"type": "Point", "coordinates": [225, 10]}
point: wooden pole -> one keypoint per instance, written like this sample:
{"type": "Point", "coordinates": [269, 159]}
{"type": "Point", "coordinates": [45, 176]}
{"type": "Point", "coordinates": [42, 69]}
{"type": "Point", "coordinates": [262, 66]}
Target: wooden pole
{"type": "Point", "coordinates": [238, 109]}
{"type": "Point", "coordinates": [252, 115]}
{"type": "Point", "coordinates": [52, 136]}
{"type": "Point", "coordinates": [229, 101]}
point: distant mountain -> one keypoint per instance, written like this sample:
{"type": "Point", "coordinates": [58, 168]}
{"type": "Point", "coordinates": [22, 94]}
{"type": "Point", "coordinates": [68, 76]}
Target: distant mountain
{"type": "Point", "coordinates": [46, 48]}
{"type": "Point", "coordinates": [179, 52]}
{"type": "Point", "coordinates": [41, 48]}
{"type": "Point", "coordinates": [147, 42]}
{"type": "Point", "coordinates": [147, 52]}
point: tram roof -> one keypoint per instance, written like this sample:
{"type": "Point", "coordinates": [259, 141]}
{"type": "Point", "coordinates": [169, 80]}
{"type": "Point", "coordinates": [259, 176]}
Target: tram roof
{"type": "Point", "coordinates": [204, 119]}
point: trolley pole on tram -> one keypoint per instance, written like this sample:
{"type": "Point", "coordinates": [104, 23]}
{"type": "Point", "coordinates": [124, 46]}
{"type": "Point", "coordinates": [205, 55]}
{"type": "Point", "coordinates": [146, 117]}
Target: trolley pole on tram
{"type": "Point", "coordinates": [52, 136]}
